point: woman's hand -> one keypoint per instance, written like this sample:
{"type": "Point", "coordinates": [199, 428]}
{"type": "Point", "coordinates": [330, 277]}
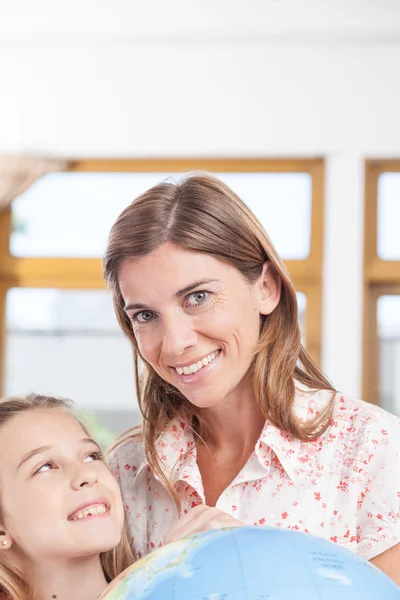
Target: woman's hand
{"type": "Point", "coordinates": [200, 518]}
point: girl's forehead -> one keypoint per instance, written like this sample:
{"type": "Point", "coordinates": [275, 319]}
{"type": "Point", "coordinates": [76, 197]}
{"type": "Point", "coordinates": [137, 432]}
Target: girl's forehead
{"type": "Point", "coordinates": [36, 428]}
{"type": "Point", "coordinates": [42, 417]}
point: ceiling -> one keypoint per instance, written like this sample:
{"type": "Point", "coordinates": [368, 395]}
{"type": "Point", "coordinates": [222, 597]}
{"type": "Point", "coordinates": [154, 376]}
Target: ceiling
{"type": "Point", "coordinates": [208, 20]}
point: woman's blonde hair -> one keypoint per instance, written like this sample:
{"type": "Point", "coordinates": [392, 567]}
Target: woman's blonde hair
{"type": "Point", "coordinates": [202, 214]}
{"type": "Point", "coordinates": [13, 586]}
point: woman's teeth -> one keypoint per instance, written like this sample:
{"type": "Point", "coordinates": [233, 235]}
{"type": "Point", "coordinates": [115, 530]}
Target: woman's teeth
{"type": "Point", "coordinates": [196, 366]}
{"type": "Point", "coordinates": [95, 509]}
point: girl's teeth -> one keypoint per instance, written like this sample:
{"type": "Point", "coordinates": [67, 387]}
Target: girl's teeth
{"type": "Point", "coordinates": [92, 510]}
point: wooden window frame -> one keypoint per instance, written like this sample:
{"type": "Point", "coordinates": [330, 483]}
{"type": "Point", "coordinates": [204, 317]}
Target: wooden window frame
{"type": "Point", "coordinates": [86, 273]}
{"type": "Point", "coordinates": [381, 277]}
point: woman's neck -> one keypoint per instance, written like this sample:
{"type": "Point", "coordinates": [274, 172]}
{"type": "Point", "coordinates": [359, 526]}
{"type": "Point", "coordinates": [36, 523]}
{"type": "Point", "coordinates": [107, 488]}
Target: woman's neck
{"type": "Point", "coordinates": [237, 418]}
{"type": "Point", "coordinates": [80, 579]}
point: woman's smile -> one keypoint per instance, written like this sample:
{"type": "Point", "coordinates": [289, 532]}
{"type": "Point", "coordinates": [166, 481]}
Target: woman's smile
{"type": "Point", "coordinates": [195, 371]}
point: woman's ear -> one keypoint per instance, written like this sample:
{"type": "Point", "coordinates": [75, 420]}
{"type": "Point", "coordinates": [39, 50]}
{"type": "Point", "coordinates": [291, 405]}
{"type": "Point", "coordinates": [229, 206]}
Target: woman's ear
{"type": "Point", "coordinates": [269, 289]}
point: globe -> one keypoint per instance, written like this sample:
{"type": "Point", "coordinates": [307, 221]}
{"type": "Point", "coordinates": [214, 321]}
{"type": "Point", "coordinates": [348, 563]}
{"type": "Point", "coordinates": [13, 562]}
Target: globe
{"type": "Point", "coordinates": [252, 563]}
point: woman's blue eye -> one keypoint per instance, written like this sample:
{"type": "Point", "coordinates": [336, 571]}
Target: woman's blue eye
{"type": "Point", "coordinates": [198, 297]}
{"type": "Point", "coordinates": [144, 316]}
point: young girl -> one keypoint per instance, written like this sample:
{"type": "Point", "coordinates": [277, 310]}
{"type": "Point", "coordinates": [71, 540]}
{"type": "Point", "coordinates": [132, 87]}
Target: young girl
{"type": "Point", "coordinates": [62, 533]}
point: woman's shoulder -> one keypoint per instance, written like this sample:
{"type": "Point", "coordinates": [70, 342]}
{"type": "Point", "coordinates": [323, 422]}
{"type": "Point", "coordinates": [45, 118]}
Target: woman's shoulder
{"type": "Point", "coordinates": [367, 418]}
{"type": "Point", "coordinates": [369, 430]}
{"type": "Point", "coordinates": [126, 454]}
{"type": "Point", "coordinates": [345, 410]}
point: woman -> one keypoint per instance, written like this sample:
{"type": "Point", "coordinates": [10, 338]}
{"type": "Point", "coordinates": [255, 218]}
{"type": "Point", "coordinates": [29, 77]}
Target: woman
{"type": "Point", "coordinates": [61, 513]}
{"type": "Point", "coordinates": [239, 424]}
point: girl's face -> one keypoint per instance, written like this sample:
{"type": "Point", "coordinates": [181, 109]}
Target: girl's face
{"type": "Point", "coordinates": [196, 319]}
{"type": "Point", "coordinates": [58, 499]}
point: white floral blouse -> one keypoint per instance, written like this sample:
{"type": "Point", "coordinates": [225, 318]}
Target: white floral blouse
{"type": "Point", "coordinates": [344, 486]}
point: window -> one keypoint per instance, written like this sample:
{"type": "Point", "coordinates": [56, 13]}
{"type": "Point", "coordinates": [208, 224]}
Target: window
{"type": "Point", "coordinates": [60, 333]}
{"type": "Point", "coordinates": [69, 342]}
{"type": "Point", "coordinates": [53, 216]}
{"type": "Point", "coordinates": [382, 285]}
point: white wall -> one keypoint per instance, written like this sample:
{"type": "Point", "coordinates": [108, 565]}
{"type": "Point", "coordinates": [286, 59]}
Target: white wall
{"type": "Point", "coordinates": [251, 78]}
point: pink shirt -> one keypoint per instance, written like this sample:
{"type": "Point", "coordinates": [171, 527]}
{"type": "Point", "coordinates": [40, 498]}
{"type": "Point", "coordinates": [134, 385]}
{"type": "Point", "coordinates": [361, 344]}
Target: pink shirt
{"type": "Point", "coordinates": [344, 486]}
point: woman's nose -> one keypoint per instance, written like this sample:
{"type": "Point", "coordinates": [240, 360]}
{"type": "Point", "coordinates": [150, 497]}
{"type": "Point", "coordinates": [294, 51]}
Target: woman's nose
{"type": "Point", "coordinates": [178, 334]}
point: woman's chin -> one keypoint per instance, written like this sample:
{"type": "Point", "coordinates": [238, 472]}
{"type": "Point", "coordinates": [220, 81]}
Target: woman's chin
{"type": "Point", "coordinates": [205, 401]}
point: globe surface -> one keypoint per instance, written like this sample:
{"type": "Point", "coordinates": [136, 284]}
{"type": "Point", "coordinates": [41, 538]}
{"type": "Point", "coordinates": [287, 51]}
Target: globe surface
{"type": "Point", "coordinates": [252, 563]}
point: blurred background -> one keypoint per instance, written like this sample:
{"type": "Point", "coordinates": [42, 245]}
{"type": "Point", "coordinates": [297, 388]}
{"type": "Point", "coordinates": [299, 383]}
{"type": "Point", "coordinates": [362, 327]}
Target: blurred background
{"type": "Point", "coordinates": [294, 104]}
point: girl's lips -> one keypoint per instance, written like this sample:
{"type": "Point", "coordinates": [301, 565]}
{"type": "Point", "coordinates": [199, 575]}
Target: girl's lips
{"type": "Point", "coordinates": [203, 372]}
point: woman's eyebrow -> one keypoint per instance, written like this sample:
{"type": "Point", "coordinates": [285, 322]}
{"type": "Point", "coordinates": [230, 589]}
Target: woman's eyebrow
{"type": "Point", "coordinates": [178, 294]}
{"type": "Point", "coordinates": [134, 307]}
{"type": "Point", "coordinates": [196, 284]}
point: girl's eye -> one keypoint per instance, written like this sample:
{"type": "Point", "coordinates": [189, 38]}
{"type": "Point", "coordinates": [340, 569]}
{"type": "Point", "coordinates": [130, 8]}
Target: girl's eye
{"type": "Point", "coordinates": [196, 298]}
{"type": "Point", "coordinates": [94, 456]}
{"type": "Point", "coordinates": [49, 466]}
{"type": "Point", "coordinates": [144, 316]}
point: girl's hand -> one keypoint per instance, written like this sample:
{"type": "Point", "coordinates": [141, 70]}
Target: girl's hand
{"type": "Point", "coordinates": [200, 518]}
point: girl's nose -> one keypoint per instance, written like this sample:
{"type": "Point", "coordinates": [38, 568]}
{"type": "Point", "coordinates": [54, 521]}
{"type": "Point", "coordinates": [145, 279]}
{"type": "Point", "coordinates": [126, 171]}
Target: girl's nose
{"type": "Point", "coordinates": [85, 477]}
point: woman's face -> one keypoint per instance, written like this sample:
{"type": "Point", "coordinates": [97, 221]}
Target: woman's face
{"type": "Point", "coordinates": [196, 319]}
{"type": "Point", "coordinates": [59, 500]}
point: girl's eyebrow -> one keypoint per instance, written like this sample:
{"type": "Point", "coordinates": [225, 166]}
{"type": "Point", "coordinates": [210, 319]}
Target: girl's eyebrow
{"type": "Point", "coordinates": [41, 449]}
{"type": "Point", "coordinates": [33, 453]}
{"type": "Point", "coordinates": [177, 294]}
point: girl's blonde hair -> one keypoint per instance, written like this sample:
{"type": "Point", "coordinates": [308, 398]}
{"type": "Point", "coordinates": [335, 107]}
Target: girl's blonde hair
{"type": "Point", "coordinates": [202, 214]}
{"type": "Point", "coordinates": [13, 586]}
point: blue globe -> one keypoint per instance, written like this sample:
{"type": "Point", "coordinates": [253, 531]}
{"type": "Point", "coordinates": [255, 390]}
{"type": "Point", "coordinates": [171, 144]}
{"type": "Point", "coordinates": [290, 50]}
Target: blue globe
{"type": "Point", "coordinates": [252, 563]}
